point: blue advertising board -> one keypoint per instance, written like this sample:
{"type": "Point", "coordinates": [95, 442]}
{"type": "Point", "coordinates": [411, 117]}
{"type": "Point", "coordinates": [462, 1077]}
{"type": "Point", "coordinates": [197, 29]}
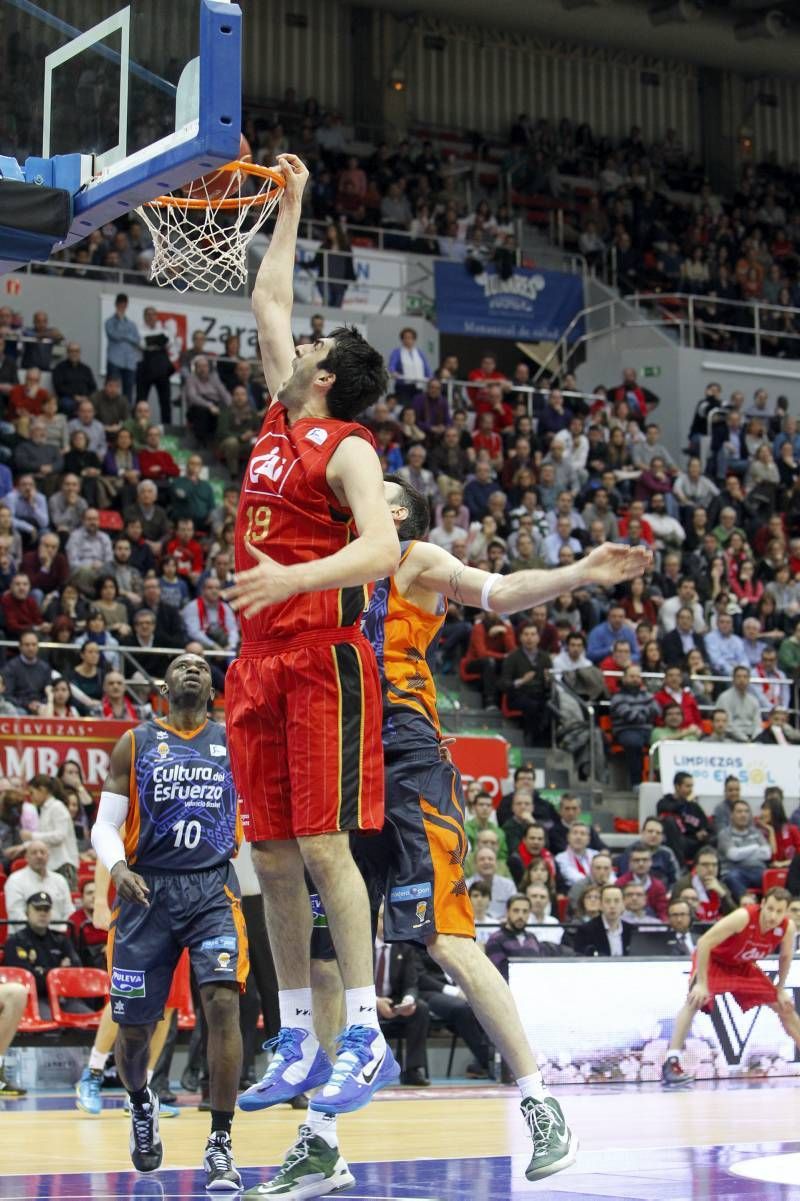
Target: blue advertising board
{"type": "Point", "coordinates": [529, 306]}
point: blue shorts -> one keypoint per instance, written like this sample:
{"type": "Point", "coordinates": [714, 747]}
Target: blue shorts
{"type": "Point", "coordinates": [426, 892]}
{"type": "Point", "coordinates": [199, 910]}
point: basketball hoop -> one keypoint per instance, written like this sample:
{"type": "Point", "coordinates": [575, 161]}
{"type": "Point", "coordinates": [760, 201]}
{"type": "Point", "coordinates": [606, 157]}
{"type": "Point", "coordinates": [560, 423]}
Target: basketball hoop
{"type": "Point", "coordinates": [201, 234]}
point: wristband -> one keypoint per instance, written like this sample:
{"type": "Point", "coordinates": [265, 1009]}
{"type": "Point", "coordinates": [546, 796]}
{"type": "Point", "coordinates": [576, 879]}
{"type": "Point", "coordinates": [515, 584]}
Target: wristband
{"type": "Point", "coordinates": [487, 588]}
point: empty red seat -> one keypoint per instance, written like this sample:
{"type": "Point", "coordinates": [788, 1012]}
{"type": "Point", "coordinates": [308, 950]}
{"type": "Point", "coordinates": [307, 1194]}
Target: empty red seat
{"type": "Point", "coordinates": [774, 877]}
{"type": "Point", "coordinates": [80, 983]}
{"type": "Point", "coordinates": [32, 1022]}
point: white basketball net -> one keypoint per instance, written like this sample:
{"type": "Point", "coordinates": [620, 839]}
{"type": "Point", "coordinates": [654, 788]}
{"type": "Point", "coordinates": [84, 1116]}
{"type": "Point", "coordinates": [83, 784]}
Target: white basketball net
{"type": "Point", "coordinates": [200, 241]}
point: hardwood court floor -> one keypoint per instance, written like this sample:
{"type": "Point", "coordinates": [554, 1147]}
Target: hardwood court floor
{"type": "Point", "coordinates": [637, 1144]}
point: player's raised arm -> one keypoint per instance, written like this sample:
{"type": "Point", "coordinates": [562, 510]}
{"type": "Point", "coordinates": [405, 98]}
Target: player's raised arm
{"type": "Point", "coordinates": [111, 815]}
{"type": "Point", "coordinates": [273, 292]}
{"type": "Point", "coordinates": [605, 566]}
{"type": "Point", "coordinates": [355, 476]}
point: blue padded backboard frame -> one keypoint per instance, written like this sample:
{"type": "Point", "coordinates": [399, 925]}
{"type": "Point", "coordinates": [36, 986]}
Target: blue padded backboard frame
{"type": "Point", "coordinates": [178, 158]}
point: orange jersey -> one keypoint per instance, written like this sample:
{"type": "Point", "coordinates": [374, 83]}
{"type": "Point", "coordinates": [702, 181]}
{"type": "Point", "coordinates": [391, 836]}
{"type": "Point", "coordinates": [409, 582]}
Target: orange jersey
{"type": "Point", "coordinates": [288, 510]}
{"type": "Point", "coordinates": [403, 637]}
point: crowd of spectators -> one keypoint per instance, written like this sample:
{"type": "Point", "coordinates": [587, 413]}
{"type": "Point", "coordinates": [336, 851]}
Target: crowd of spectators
{"type": "Point", "coordinates": [109, 545]}
{"type": "Point", "coordinates": [544, 883]}
{"type": "Point", "coordinates": [707, 644]}
{"type": "Point", "coordinates": [643, 212]}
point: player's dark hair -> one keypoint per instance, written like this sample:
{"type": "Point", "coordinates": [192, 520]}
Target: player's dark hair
{"type": "Point", "coordinates": [482, 889]}
{"type": "Point", "coordinates": [361, 376]}
{"type": "Point", "coordinates": [780, 894]}
{"type": "Point", "coordinates": [417, 524]}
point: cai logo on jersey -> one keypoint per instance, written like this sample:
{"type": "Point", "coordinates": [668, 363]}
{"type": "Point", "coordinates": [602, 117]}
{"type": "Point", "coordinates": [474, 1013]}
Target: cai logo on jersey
{"type": "Point", "coordinates": [270, 466]}
{"type": "Point", "coordinates": [317, 436]}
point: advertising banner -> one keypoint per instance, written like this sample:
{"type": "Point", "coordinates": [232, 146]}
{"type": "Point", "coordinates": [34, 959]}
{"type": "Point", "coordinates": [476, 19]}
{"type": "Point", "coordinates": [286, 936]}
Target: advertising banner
{"type": "Point", "coordinates": [179, 320]}
{"type": "Point", "coordinates": [29, 745]}
{"type": "Point", "coordinates": [529, 306]}
{"type": "Point", "coordinates": [484, 760]}
{"type": "Point", "coordinates": [601, 1020]}
{"type": "Point", "coordinates": [380, 276]}
{"type": "Point", "coordinates": [756, 766]}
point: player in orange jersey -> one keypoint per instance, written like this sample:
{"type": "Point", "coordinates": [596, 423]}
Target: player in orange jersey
{"type": "Point", "coordinates": [425, 894]}
{"type": "Point", "coordinates": [726, 961]}
{"type": "Point", "coordinates": [303, 699]}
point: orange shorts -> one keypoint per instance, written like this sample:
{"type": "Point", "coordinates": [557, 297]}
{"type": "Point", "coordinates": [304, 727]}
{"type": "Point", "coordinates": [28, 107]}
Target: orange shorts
{"type": "Point", "coordinates": [304, 736]}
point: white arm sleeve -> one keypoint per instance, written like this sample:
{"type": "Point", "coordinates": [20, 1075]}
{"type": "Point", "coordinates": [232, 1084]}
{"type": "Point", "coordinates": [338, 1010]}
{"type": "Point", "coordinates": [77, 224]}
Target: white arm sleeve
{"type": "Point", "coordinates": [106, 840]}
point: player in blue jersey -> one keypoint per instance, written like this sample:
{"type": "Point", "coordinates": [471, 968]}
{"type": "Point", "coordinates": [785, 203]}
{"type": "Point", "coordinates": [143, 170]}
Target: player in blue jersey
{"type": "Point", "coordinates": [170, 785]}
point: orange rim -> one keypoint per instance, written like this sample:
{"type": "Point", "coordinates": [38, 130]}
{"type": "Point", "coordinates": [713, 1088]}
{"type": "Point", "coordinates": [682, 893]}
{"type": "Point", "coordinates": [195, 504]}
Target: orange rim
{"type": "Point", "coordinates": [229, 202]}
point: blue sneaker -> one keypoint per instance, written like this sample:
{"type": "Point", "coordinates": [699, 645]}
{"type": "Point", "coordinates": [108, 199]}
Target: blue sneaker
{"type": "Point", "coordinates": [274, 1088]}
{"type": "Point", "coordinates": [87, 1093]}
{"type": "Point", "coordinates": [164, 1110]}
{"type": "Point", "coordinates": [357, 1073]}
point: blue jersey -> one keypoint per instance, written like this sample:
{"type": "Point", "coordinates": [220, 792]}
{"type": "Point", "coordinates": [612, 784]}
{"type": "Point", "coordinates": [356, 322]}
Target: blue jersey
{"type": "Point", "coordinates": [183, 815]}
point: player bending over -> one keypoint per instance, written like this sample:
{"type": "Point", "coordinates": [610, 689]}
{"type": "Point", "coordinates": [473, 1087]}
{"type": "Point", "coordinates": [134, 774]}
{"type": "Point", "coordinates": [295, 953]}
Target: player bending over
{"type": "Point", "coordinates": [303, 698]}
{"type": "Point", "coordinates": [425, 894]}
{"type": "Point", "coordinates": [725, 961]}
{"type": "Point", "coordinates": [170, 785]}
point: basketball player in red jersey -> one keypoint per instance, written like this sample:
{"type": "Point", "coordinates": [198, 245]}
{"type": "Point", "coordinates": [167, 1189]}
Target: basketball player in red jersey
{"type": "Point", "coordinates": [725, 961]}
{"type": "Point", "coordinates": [303, 699]}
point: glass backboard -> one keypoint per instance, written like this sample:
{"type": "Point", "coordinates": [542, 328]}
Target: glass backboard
{"type": "Point", "coordinates": [151, 91]}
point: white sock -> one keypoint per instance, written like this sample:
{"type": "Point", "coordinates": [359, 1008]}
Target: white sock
{"type": "Point", "coordinates": [532, 1086]}
{"type": "Point", "coordinates": [323, 1124]}
{"type": "Point", "coordinates": [97, 1060]}
{"type": "Point", "coordinates": [674, 1053]}
{"type": "Point", "coordinates": [362, 1007]}
{"type": "Point", "coordinates": [2, 1061]}
{"type": "Point", "coordinates": [149, 1076]}
{"type": "Point", "coordinates": [295, 1007]}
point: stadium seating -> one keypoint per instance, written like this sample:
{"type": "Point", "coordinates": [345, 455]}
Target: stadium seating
{"type": "Point", "coordinates": [79, 983]}
{"type": "Point", "coordinates": [32, 1021]}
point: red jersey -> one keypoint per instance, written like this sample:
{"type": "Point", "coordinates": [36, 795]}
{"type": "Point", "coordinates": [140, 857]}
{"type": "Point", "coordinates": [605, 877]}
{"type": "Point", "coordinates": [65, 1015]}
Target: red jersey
{"type": "Point", "coordinates": [751, 944]}
{"type": "Point", "coordinates": [288, 510]}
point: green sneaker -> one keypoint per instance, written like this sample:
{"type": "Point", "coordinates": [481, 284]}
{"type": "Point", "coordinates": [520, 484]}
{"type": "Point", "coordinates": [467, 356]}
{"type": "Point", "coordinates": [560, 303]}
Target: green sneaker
{"type": "Point", "coordinates": [555, 1147]}
{"type": "Point", "coordinates": [311, 1168]}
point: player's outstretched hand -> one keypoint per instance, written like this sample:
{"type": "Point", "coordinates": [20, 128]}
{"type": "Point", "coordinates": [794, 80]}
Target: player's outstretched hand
{"type": "Point", "coordinates": [129, 885]}
{"type": "Point", "coordinates": [699, 995]}
{"type": "Point", "coordinates": [610, 563]}
{"type": "Point", "coordinates": [295, 173]}
{"type": "Point", "coordinates": [268, 583]}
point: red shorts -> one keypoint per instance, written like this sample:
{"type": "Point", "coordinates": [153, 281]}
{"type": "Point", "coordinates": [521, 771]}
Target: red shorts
{"type": "Point", "coordinates": [745, 982]}
{"type": "Point", "coordinates": [304, 736]}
